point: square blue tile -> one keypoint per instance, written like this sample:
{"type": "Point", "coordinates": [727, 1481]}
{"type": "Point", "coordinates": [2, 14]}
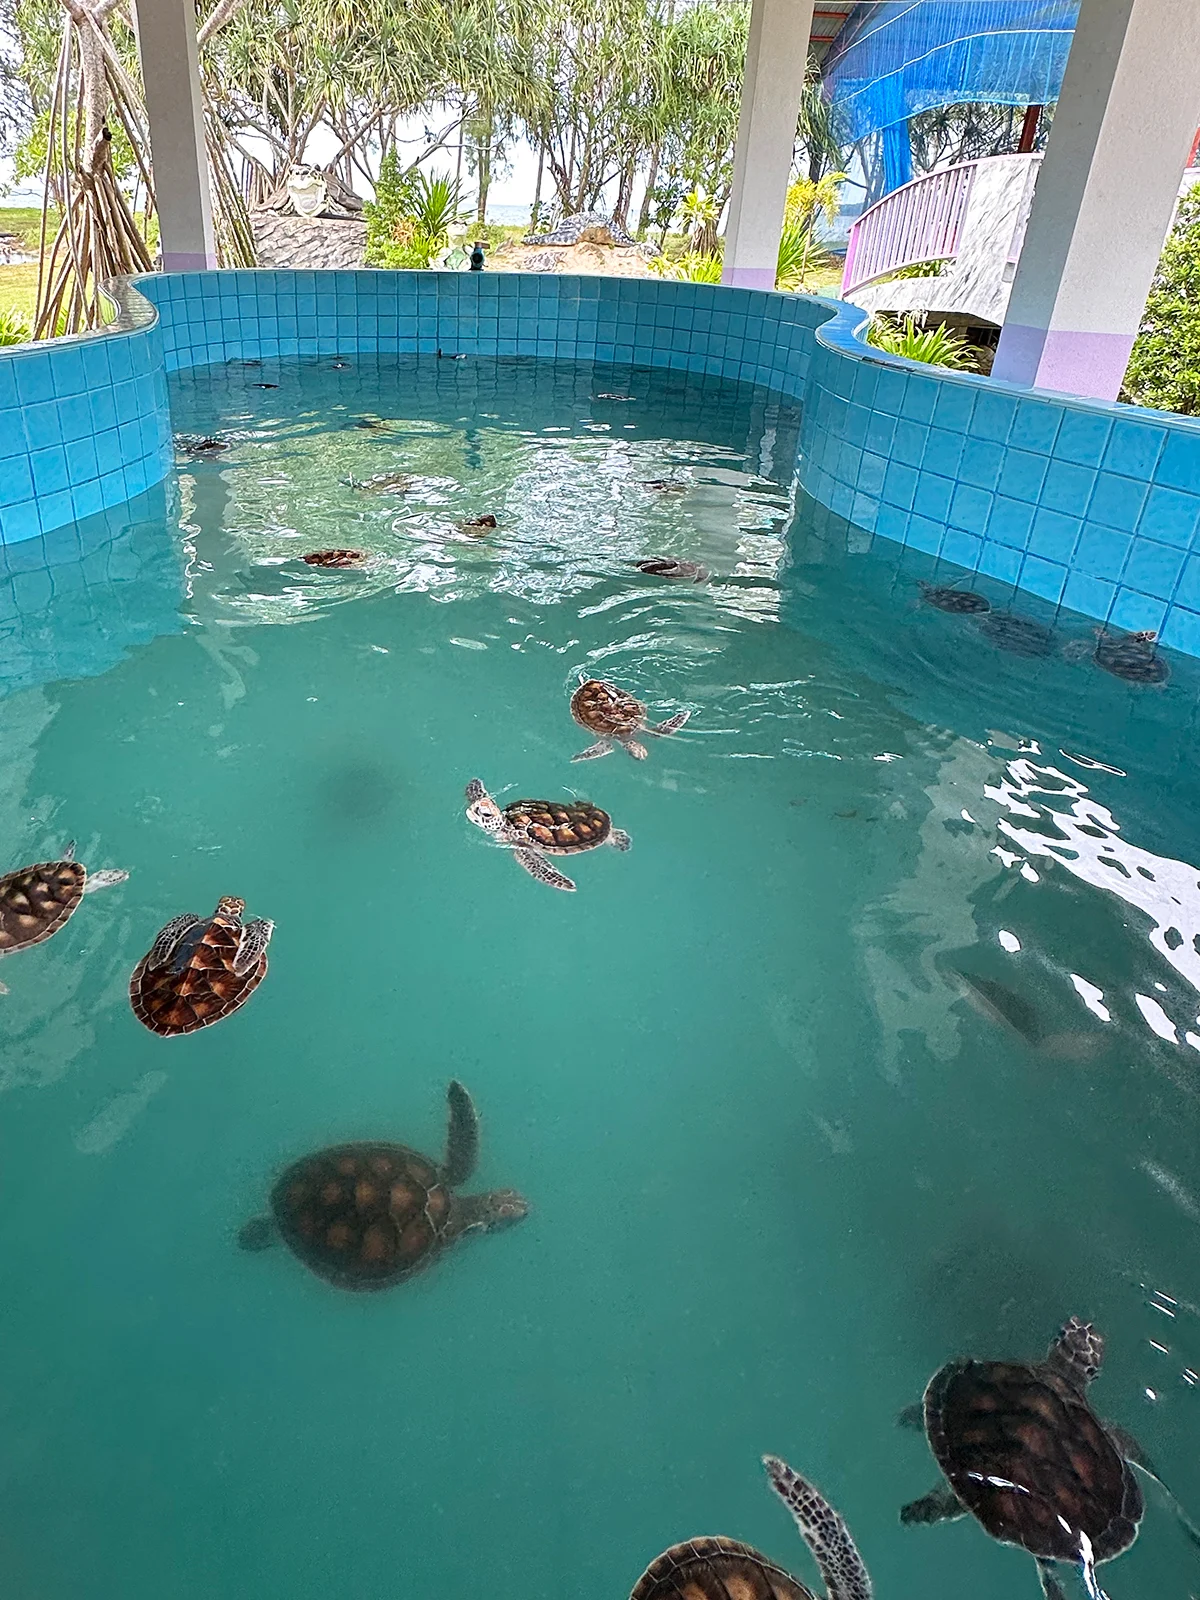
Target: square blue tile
{"type": "Point", "coordinates": [41, 424]}
{"type": "Point", "coordinates": [881, 433]}
{"type": "Point", "coordinates": [16, 481]}
{"type": "Point", "coordinates": [908, 445]}
{"type": "Point", "coordinates": [1054, 535]}
{"type": "Point", "coordinates": [922, 534]}
{"type": "Point", "coordinates": [1022, 474]}
{"type": "Point", "coordinates": [1067, 487]}
{"type": "Point", "coordinates": [870, 474]}
{"type": "Point", "coordinates": [1035, 426]}
{"type": "Point", "coordinates": [1187, 592]}
{"type": "Point", "coordinates": [1135, 611]}
{"type": "Point", "coordinates": [1179, 464]}
{"type": "Point", "coordinates": [49, 469]}
{"type": "Point", "coordinates": [953, 407]}
{"type": "Point", "coordinates": [943, 452]}
{"type": "Point", "coordinates": [1170, 516]}
{"type": "Point", "coordinates": [1082, 438]}
{"type": "Point", "coordinates": [892, 523]}
{"type": "Point", "coordinates": [1134, 449]}
{"type": "Point", "coordinates": [1000, 561]}
{"type": "Point", "coordinates": [1117, 502]}
{"type": "Point", "coordinates": [920, 398]}
{"type": "Point", "coordinates": [1153, 569]}
{"type": "Point", "coordinates": [963, 549]}
{"type": "Point", "coordinates": [933, 496]}
{"type": "Point", "coordinates": [970, 508]}
{"type": "Point", "coordinates": [900, 485]}
{"type": "Point", "coordinates": [1092, 596]}
{"type": "Point", "coordinates": [1010, 522]}
{"type": "Point", "coordinates": [35, 378]}
{"type": "Point", "coordinates": [1102, 552]}
{"type": "Point", "coordinates": [19, 522]}
{"type": "Point", "coordinates": [1181, 631]}
{"type": "Point", "coordinates": [981, 463]}
{"type": "Point", "coordinates": [994, 416]}
{"type": "Point", "coordinates": [1046, 578]}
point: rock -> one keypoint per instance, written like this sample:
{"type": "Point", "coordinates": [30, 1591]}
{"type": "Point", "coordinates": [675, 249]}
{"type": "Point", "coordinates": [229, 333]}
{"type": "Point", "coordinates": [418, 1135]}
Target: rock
{"type": "Point", "coordinates": [308, 242]}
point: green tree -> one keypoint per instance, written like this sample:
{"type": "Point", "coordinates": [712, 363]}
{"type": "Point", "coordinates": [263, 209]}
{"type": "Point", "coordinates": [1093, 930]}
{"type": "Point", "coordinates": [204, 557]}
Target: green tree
{"type": "Point", "coordinates": [1164, 369]}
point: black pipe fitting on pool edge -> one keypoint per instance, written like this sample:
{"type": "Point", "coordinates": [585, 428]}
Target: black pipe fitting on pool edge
{"type": "Point", "coordinates": [477, 256]}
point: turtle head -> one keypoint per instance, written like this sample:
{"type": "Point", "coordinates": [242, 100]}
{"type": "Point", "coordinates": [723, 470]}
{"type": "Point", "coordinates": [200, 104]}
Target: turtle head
{"type": "Point", "coordinates": [1077, 1354]}
{"type": "Point", "coordinates": [487, 1213]}
{"type": "Point", "coordinates": [482, 810]}
{"type": "Point", "coordinates": [230, 906]}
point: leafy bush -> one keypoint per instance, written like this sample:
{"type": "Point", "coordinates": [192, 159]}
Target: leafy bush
{"type": "Point", "coordinates": [1164, 369]}
{"type": "Point", "coordinates": [409, 221]}
{"type": "Point", "coordinates": [939, 347]}
{"type": "Point", "coordinates": [800, 255]}
{"type": "Point", "coordinates": [691, 267]}
{"type": "Point", "coordinates": [13, 328]}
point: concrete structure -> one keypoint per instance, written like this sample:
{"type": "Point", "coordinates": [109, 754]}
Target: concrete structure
{"type": "Point", "coordinates": [166, 32]}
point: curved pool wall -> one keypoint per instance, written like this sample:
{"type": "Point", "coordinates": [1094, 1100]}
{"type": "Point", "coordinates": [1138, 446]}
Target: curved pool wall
{"type": "Point", "coordinates": [1095, 507]}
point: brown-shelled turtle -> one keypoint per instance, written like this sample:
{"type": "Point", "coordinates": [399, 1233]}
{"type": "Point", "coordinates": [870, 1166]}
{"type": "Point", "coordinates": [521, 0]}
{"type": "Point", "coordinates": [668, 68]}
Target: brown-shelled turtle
{"type": "Point", "coordinates": [36, 901]}
{"type": "Point", "coordinates": [1132, 656]}
{"type": "Point", "coordinates": [666, 485]}
{"type": "Point", "coordinates": [1020, 636]}
{"type": "Point", "coordinates": [382, 483]}
{"type": "Point", "coordinates": [478, 527]}
{"type": "Point", "coordinates": [210, 445]}
{"type": "Point", "coordinates": [716, 1568]}
{"type": "Point", "coordinates": [616, 716]}
{"type": "Point", "coordinates": [677, 571]}
{"type": "Point", "coordinates": [199, 970]}
{"type": "Point", "coordinates": [334, 558]}
{"type": "Point", "coordinates": [962, 602]}
{"type": "Point", "coordinates": [535, 829]}
{"type": "Point", "coordinates": [368, 1215]}
{"type": "Point", "coordinates": [1024, 1453]}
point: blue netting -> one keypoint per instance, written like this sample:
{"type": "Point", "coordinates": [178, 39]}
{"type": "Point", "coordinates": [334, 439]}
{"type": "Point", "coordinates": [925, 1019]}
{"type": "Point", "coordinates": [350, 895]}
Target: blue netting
{"type": "Point", "coordinates": [895, 58]}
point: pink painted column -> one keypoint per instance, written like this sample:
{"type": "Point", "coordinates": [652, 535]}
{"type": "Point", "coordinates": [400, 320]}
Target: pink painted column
{"type": "Point", "coordinates": [776, 57]}
{"type": "Point", "coordinates": [1105, 197]}
{"type": "Point", "coordinates": [166, 31]}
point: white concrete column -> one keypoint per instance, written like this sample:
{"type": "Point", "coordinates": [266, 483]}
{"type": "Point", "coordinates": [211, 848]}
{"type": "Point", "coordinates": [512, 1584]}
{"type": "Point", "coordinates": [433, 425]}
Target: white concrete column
{"type": "Point", "coordinates": [166, 32]}
{"type": "Point", "coordinates": [776, 58]}
{"type": "Point", "coordinates": [1122, 131]}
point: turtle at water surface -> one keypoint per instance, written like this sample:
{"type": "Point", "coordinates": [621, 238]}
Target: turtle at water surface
{"type": "Point", "coordinates": [602, 708]}
{"type": "Point", "coordinates": [666, 485]}
{"type": "Point", "coordinates": [383, 483]}
{"type": "Point", "coordinates": [677, 571]}
{"type": "Point", "coordinates": [716, 1568]}
{"type": "Point", "coordinates": [961, 602]}
{"type": "Point", "coordinates": [36, 901]}
{"type": "Point", "coordinates": [478, 527]}
{"type": "Point", "coordinates": [334, 558]}
{"type": "Point", "coordinates": [1024, 1453]}
{"type": "Point", "coordinates": [368, 1215]}
{"type": "Point", "coordinates": [535, 829]}
{"type": "Point", "coordinates": [1021, 636]}
{"type": "Point", "coordinates": [199, 970]}
{"type": "Point", "coordinates": [1132, 656]}
{"type": "Point", "coordinates": [209, 445]}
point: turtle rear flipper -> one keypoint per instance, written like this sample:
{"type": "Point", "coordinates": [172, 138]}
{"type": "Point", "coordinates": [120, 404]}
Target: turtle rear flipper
{"type": "Point", "coordinates": [636, 750]}
{"type": "Point", "coordinates": [826, 1535]}
{"type": "Point", "coordinates": [939, 1505]}
{"type": "Point", "coordinates": [538, 867]}
{"type": "Point", "coordinates": [602, 747]}
{"type": "Point", "coordinates": [104, 879]}
{"type": "Point", "coordinates": [462, 1137]}
{"type": "Point", "coordinates": [1137, 1457]}
{"type": "Point", "coordinates": [912, 1417]}
{"type": "Point", "coordinates": [619, 839]}
{"type": "Point", "coordinates": [672, 725]}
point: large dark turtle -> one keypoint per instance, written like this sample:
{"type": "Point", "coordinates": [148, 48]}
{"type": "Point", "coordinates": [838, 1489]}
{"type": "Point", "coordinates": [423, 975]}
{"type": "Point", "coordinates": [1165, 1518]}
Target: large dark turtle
{"type": "Point", "coordinates": [962, 602]}
{"type": "Point", "coordinates": [36, 901]}
{"type": "Point", "coordinates": [677, 571]}
{"type": "Point", "coordinates": [716, 1568]}
{"type": "Point", "coordinates": [366, 1216]}
{"type": "Point", "coordinates": [1024, 1453]}
{"type": "Point", "coordinates": [1132, 656]}
{"type": "Point", "coordinates": [200, 969]}
{"type": "Point", "coordinates": [1021, 636]}
{"type": "Point", "coordinates": [334, 558]}
{"type": "Point", "coordinates": [535, 829]}
{"type": "Point", "coordinates": [616, 716]}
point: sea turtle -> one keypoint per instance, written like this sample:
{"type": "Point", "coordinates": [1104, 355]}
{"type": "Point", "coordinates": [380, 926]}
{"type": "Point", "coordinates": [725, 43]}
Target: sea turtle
{"type": "Point", "coordinates": [716, 1568]}
{"type": "Point", "coordinates": [478, 527]}
{"type": "Point", "coordinates": [1021, 636]}
{"type": "Point", "coordinates": [368, 1215]}
{"type": "Point", "coordinates": [1025, 1454]}
{"type": "Point", "coordinates": [680, 571]}
{"type": "Point", "coordinates": [602, 708]}
{"type": "Point", "coordinates": [334, 558]}
{"type": "Point", "coordinates": [1131, 656]}
{"type": "Point", "coordinates": [200, 969]}
{"type": "Point", "coordinates": [666, 485]}
{"type": "Point", "coordinates": [963, 602]}
{"type": "Point", "coordinates": [209, 445]}
{"type": "Point", "coordinates": [586, 227]}
{"type": "Point", "coordinates": [36, 901]}
{"type": "Point", "coordinates": [382, 483]}
{"type": "Point", "coordinates": [535, 829]}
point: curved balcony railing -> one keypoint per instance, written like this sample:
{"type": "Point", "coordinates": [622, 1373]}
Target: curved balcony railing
{"type": "Point", "coordinates": [920, 222]}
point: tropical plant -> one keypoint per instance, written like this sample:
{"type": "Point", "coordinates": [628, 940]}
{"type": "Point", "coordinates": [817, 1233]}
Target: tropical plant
{"type": "Point", "coordinates": [1164, 369]}
{"type": "Point", "coordinates": [13, 328]}
{"type": "Point", "coordinates": [800, 255]}
{"type": "Point", "coordinates": [699, 215]}
{"type": "Point", "coordinates": [409, 221]}
{"type": "Point", "coordinates": [938, 347]}
{"type": "Point", "coordinates": [691, 267]}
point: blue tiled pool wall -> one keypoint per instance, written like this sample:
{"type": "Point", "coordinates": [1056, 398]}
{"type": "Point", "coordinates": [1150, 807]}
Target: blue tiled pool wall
{"type": "Point", "coordinates": [1090, 506]}
{"type": "Point", "coordinates": [84, 424]}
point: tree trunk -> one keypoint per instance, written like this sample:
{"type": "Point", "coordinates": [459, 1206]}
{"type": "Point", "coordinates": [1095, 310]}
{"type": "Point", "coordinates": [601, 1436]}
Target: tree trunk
{"type": "Point", "coordinates": [648, 197]}
{"type": "Point", "coordinates": [625, 193]}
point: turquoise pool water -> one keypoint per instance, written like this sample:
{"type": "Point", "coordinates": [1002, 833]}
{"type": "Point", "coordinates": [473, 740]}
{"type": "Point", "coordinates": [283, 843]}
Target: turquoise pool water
{"type": "Point", "coordinates": [879, 1047]}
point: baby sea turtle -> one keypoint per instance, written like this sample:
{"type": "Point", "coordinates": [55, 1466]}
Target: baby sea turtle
{"type": "Point", "coordinates": [534, 829]}
{"type": "Point", "coordinates": [1131, 656]}
{"type": "Point", "coordinates": [963, 602]}
{"type": "Point", "coordinates": [666, 485]}
{"type": "Point", "coordinates": [1024, 1453]}
{"type": "Point", "coordinates": [716, 1568]}
{"type": "Point", "coordinates": [478, 527]}
{"type": "Point", "coordinates": [679, 571]}
{"type": "Point", "coordinates": [334, 558]}
{"type": "Point", "coordinates": [200, 969]}
{"type": "Point", "coordinates": [209, 445]}
{"type": "Point", "coordinates": [368, 1215]}
{"type": "Point", "coordinates": [36, 901]}
{"type": "Point", "coordinates": [602, 708]}
{"type": "Point", "coordinates": [1021, 636]}
{"type": "Point", "coordinates": [383, 483]}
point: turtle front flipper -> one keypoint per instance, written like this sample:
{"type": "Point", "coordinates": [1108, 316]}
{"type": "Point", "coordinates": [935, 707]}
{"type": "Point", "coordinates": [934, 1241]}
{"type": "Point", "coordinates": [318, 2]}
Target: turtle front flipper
{"type": "Point", "coordinates": [105, 879]}
{"type": "Point", "coordinates": [826, 1535]}
{"type": "Point", "coordinates": [256, 936]}
{"type": "Point", "coordinates": [1138, 1457]}
{"type": "Point", "coordinates": [602, 747]}
{"type": "Point", "coordinates": [1051, 1587]}
{"type": "Point", "coordinates": [939, 1505]}
{"type": "Point", "coordinates": [672, 725]}
{"type": "Point", "coordinates": [462, 1137]}
{"type": "Point", "coordinates": [538, 867]}
{"type": "Point", "coordinates": [168, 940]}
{"type": "Point", "coordinates": [912, 1416]}
{"type": "Point", "coordinates": [619, 839]}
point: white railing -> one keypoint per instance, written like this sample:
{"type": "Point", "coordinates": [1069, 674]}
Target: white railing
{"type": "Point", "coordinates": [920, 222]}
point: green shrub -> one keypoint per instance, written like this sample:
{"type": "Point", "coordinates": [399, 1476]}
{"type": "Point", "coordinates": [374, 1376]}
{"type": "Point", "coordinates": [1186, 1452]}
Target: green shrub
{"type": "Point", "coordinates": [13, 328]}
{"type": "Point", "coordinates": [691, 267]}
{"type": "Point", "coordinates": [409, 220]}
{"type": "Point", "coordinates": [1164, 369]}
{"type": "Point", "coordinates": [939, 347]}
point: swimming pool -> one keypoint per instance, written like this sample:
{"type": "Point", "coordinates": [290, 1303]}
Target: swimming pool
{"type": "Point", "coordinates": [877, 1047]}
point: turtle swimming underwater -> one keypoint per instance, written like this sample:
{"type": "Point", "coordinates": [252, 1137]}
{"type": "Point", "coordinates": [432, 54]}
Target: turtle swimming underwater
{"type": "Point", "coordinates": [1131, 656]}
{"type": "Point", "coordinates": [680, 571]}
{"type": "Point", "coordinates": [383, 483]}
{"type": "Point", "coordinates": [210, 445]}
{"type": "Point", "coordinates": [602, 708]}
{"type": "Point", "coordinates": [368, 1215]}
{"type": "Point", "coordinates": [334, 558]}
{"type": "Point", "coordinates": [200, 969]}
{"type": "Point", "coordinates": [716, 1568]}
{"type": "Point", "coordinates": [36, 901]}
{"type": "Point", "coordinates": [1026, 1455]}
{"type": "Point", "coordinates": [1021, 636]}
{"type": "Point", "coordinates": [666, 485]}
{"type": "Point", "coordinates": [478, 527]}
{"type": "Point", "coordinates": [535, 829]}
{"type": "Point", "coordinates": [962, 602]}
